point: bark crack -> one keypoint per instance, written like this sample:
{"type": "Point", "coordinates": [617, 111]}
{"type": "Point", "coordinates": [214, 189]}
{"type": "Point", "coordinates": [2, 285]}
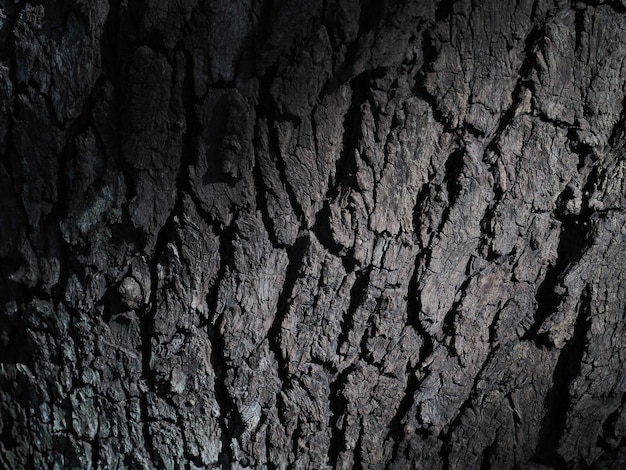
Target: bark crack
{"type": "Point", "coordinates": [445, 436]}
{"type": "Point", "coordinates": [338, 408]}
{"type": "Point", "coordinates": [358, 292]}
{"type": "Point", "coordinates": [227, 419]}
{"type": "Point", "coordinates": [146, 326]}
{"type": "Point", "coordinates": [574, 239]}
{"type": "Point", "coordinates": [296, 255]}
{"type": "Point", "coordinates": [559, 397]}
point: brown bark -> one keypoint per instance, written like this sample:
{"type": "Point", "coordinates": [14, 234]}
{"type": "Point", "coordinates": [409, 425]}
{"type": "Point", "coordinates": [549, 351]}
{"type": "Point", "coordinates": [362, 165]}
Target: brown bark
{"type": "Point", "coordinates": [312, 234]}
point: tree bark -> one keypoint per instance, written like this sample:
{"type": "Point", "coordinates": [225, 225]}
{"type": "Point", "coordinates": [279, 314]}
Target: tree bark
{"type": "Point", "coordinates": [313, 234]}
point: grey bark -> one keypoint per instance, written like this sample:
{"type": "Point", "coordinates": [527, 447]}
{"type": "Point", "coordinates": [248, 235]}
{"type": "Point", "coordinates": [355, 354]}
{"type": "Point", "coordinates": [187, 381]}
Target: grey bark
{"type": "Point", "coordinates": [312, 234]}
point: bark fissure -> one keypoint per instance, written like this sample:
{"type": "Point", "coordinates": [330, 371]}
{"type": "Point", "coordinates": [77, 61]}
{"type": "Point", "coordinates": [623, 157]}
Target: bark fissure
{"type": "Point", "coordinates": [268, 109]}
{"type": "Point", "coordinates": [357, 294]}
{"type": "Point", "coordinates": [559, 396]}
{"type": "Point", "coordinates": [296, 255]}
{"type": "Point", "coordinates": [397, 430]}
{"type": "Point", "coordinates": [345, 165]}
{"type": "Point", "coordinates": [146, 325]}
{"type": "Point", "coordinates": [413, 310]}
{"type": "Point", "coordinates": [338, 408]}
{"type": "Point", "coordinates": [576, 235]}
{"type": "Point", "coordinates": [445, 436]}
{"type": "Point", "coordinates": [230, 423]}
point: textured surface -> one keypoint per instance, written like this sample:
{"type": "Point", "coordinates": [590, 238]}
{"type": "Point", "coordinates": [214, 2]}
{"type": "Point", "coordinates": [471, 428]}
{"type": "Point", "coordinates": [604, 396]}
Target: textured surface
{"type": "Point", "coordinates": [312, 234]}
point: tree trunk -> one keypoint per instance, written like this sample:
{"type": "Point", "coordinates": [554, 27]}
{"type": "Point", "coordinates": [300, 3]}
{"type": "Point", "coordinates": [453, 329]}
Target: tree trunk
{"type": "Point", "coordinates": [313, 234]}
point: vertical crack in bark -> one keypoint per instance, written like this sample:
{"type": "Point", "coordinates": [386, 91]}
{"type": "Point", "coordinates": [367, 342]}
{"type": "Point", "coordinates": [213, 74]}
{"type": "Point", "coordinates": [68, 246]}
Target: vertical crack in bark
{"type": "Point", "coordinates": [109, 51]}
{"type": "Point", "coordinates": [295, 438]}
{"type": "Point", "coordinates": [493, 326]}
{"type": "Point", "coordinates": [166, 234]}
{"type": "Point", "coordinates": [574, 240]}
{"type": "Point", "coordinates": [358, 448]}
{"type": "Point", "coordinates": [261, 193]}
{"type": "Point", "coordinates": [146, 326]}
{"type": "Point", "coordinates": [189, 457]}
{"type": "Point", "coordinates": [454, 169]}
{"type": "Point", "coordinates": [323, 233]}
{"type": "Point", "coordinates": [397, 431]}
{"type": "Point", "coordinates": [611, 439]}
{"type": "Point", "coordinates": [267, 109]}
{"type": "Point", "coordinates": [617, 131]}
{"type": "Point", "coordinates": [444, 10]}
{"type": "Point", "coordinates": [268, 455]}
{"type": "Point", "coordinates": [345, 165]}
{"type": "Point", "coordinates": [492, 150]}
{"type": "Point", "coordinates": [79, 126]}
{"type": "Point", "coordinates": [579, 26]}
{"type": "Point", "coordinates": [517, 418]}
{"type": "Point", "coordinates": [193, 129]}
{"type": "Point", "coordinates": [450, 317]}
{"type": "Point", "coordinates": [523, 83]}
{"type": "Point", "coordinates": [296, 255]}
{"type": "Point", "coordinates": [419, 89]}
{"type": "Point", "coordinates": [445, 436]}
{"type": "Point", "coordinates": [484, 462]}
{"type": "Point", "coordinates": [338, 407]}
{"type": "Point", "coordinates": [11, 165]}
{"type": "Point", "coordinates": [228, 419]}
{"type": "Point", "coordinates": [372, 13]}
{"type": "Point", "coordinates": [282, 172]}
{"type": "Point", "coordinates": [357, 293]}
{"type": "Point", "coordinates": [95, 449]}
{"type": "Point", "coordinates": [414, 308]}
{"type": "Point", "coordinates": [559, 401]}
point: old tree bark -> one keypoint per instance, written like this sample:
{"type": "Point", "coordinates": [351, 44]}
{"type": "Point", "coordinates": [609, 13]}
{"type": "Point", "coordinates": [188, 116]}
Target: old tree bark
{"type": "Point", "coordinates": [312, 234]}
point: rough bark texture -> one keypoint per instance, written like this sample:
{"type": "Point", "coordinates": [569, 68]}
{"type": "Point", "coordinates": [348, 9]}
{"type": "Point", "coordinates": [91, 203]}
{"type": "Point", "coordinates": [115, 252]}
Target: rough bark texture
{"type": "Point", "coordinates": [312, 234]}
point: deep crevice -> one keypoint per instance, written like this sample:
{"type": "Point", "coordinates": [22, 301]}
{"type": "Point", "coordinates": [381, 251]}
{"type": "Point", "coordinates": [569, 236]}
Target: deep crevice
{"type": "Point", "coordinates": [323, 231]}
{"type": "Point", "coordinates": [229, 420]}
{"type": "Point", "coordinates": [453, 170]}
{"type": "Point", "coordinates": [396, 432]}
{"type": "Point", "coordinates": [345, 165]}
{"type": "Point", "coordinates": [611, 430]}
{"type": "Point", "coordinates": [413, 310]}
{"type": "Point", "coordinates": [444, 10]}
{"type": "Point", "coordinates": [559, 398]}
{"type": "Point", "coordinates": [295, 437]}
{"type": "Point", "coordinates": [296, 254]}
{"type": "Point", "coordinates": [452, 315]}
{"type": "Point", "coordinates": [267, 109]}
{"type": "Point", "coordinates": [372, 14]}
{"type": "Point", "coordinates": [430, 53]}
{"type": "Point", "coordinates": [445, 436]}
{"type": "Point", "coordinates": [146, 326]}
{"type": "Point", "coordinates": [261, 189]}
{"type": "Point", "coordinates": [358, 293]}
{"type": "Point", "coordinates": [338, 406]}
{"type": "Point", "coordinates": [109, 43]}
{"type": "Point", "coordinates": [358, 449]}
{"type": "Point", "coordinates": [485, 464]}
{"type": "Point", "coordinates": [575, 238]}
{"type": "Point", "coordinates": [617, 132]}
